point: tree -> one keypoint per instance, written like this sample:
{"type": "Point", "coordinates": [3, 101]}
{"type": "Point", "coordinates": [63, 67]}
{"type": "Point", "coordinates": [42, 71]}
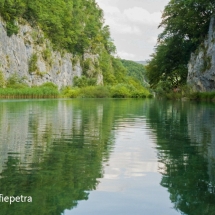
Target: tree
{"type": "Point", "coordinates": [185, 24]}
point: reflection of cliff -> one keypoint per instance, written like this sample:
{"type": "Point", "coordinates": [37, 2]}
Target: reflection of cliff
{"type": "Point", "coordinates": [26, 127]}
{"type": "Point", "coordinates": [185, 139]}
{"type": "Point", "coordinates": [53, 151]}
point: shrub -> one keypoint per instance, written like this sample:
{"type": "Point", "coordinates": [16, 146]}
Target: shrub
{"type": "Point", "coordinates": [87, 92]}
{"type": "Point", "coordinates": [202, 96]}
{"type": "Point", "coordinates": [47, 56]}
{"type": "Point", "coordinates": [120, 91]}
{"type": "Point", "coordinates": [27, 92]}
{"type": "Point", "coordinates": [91, 81]}
{"type": "Point", "coordinates": [17, 86]}
{"type": "Point", "coordinates": [80, 81]}
{"type": "Point", "coordinates": [83, 81]}
{"type": "Point", "coordinates": [15, 82]}
{"type": "Point", "coordinates": [72, 93]}
{"type": "Point", "coordinates": [2, 80]}
{"type": "Point", "coordinates": [49, 85]}
{"type": "Point", "coordinates": [33, 63]}
{"type": "Point", "coordinates": [11, 28]}
{"type": "Point", "coordinates": [117, 91]}
{"type": "Point", "coordinates": [139, 94]}
{"type": "Point", "coordinates": [101, 92]}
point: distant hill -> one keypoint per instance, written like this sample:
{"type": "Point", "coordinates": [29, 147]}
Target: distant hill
{"type": "Point", "coordinates": [136, 70]}
{"type": "Point", "coordinates": [144, 62]}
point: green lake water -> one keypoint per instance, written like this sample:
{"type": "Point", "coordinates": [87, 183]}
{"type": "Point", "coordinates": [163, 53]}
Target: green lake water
{"type": "Point", "coordinates": [121, 157]}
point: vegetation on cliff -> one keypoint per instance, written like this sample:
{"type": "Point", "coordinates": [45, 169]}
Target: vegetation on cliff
{"type": "Point", "coordinates": [74, 25]}
{"type": "Point", "coordinates": [124, 80]}
{"type": "Point", "coordinates": [14, 87]}
{"type": "Point", "coordinates": [77, 27]}
{"type": "Point", "coordinates": [185, 26]}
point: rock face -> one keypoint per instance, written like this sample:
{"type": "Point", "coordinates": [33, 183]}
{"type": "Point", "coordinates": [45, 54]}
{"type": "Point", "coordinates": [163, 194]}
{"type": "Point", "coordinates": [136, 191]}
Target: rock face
{"type": "Point", "coordinates": [201, 67]}
{"type": "Point", "coordinates": [30, 56]}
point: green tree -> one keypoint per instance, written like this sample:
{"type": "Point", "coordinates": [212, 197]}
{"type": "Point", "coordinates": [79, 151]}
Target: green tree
{"type": "Point", "coordinates": [185, 24]}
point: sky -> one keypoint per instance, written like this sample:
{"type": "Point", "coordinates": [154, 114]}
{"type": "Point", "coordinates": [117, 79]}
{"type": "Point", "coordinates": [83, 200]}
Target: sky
{"type": "Point", "coordinates": [133, 26]}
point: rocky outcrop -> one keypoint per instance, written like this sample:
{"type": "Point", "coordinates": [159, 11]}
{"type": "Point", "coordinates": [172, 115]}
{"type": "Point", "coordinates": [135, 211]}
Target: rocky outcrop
{"type": "Point", "coordinates": [31, 57]}
{"type": "Point", "coordinates": [201, 67]}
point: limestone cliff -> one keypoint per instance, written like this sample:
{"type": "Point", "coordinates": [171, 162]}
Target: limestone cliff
{"type": "Point", "coordinates": [201, 67]}
{"type": "Point", "coordinates": [31, 56]}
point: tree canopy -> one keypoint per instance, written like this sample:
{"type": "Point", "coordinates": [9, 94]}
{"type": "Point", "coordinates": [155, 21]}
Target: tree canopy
{"type": "Point", "coordinates": [185, 24]}
{"type": "Point", "coordinates": [134, 69]}
{"type": "Point", "coordinates": [74, 25]}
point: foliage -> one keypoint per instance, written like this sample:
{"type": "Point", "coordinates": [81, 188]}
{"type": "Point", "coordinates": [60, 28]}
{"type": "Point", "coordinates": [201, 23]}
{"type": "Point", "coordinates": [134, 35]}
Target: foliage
{"type": "Point", "coordinates": [33, 63]}
{"type": "Point", "coordinates": [120, 91]}
{"type": "Point", "coordinates": [202, 96]}
{"type": "Point", "coordinates": [94, 92]}
{"type": "Point", "coordinates": [2, 80]}
{"type": "Point", "coordinates": [71, 93]}
{"type": "Point", "coordinates": [112, 69]}
{"type": "Point", "coordinates": [11, 28]}
{"type": "Point", "coordinates": [129, 91]}
{"type": "Point", "coordinates": [87, 92]}
{"type": "Point", "coordinates": [15, 81]}
{"type": "Point", "coordinates": [49, 85]}
{"type": "Point", "coordinates": [185, 25]}
{"type": "Point", "coordinates": [105, 64]}
{"type": "Point", "coordinates": [83, 81]}
{"type": "Point", "coordinates": [47, 55]}
{"type": "Point", "coordinates": [27, 92]}
{"type": "Point", "coordinates": [75, 25]}
{"type": "Point", "coordinates": [116, 91]}
{"type": "Point", "coordinates": [134, 69]}
{"type": "Point", "coordinates": [163, 90]}
{"type": "Point", "coordinates": [15, 87]}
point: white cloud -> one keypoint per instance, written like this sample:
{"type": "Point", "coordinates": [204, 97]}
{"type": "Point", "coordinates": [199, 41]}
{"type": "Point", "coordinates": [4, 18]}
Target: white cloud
{"type": "Point", "coordinates": [123, 28]}
{"type": "Point", "coordinates": [133, 25]}
{"type": "Point", "coordinates": [109, 9]}
{"type": "Point", "coordinates": [125, 55]}
{"type": "Point", "coordinates": [140, 15]}
{"type": "Point", "coordinates": [152, 40]}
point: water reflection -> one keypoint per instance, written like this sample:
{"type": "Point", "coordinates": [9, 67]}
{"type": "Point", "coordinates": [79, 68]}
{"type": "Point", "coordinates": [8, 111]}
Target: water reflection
{"type": "Point", "coordinates": [57, 151]}
{"type": "Point", "coordinates": [185, 137]}
{"type": "Point", "coordinates": [53, 151]}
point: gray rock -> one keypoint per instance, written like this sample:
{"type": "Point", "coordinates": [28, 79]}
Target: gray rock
{"type": "Point", "coordinates": [16, 53]}
{"type": "Point", "coordinates": [201, 67]}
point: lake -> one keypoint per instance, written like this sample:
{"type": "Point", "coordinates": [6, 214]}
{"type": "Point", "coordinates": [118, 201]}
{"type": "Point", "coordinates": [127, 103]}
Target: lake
{"type": "Point", "coordinates": [107, 156]}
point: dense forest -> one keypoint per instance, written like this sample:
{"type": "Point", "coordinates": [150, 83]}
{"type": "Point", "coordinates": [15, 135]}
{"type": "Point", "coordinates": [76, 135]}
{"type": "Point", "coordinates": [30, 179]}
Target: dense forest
{"type": "Point", "coordinates": [135, 70]}
{"type": "Point", "coordinates": [74, 25]}
{"type": "Point", "coordinates": [185, 24]}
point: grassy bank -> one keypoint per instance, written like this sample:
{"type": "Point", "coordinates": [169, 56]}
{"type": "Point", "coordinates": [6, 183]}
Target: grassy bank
{"type": "Point", "coordinates": [185, 92]}
{"type": "Point", "coordinates": [193, 96]}
{"type": "Point", "coordinates": [27, 92]}
{"type": "Point", "coordinates": [47, 91]}
{"type": "Point", "coordinates": [17, 90]}
{"type": "Point", "coordinates": [116, 91]}
{"type": "Point", "coordinates": [15, 87]}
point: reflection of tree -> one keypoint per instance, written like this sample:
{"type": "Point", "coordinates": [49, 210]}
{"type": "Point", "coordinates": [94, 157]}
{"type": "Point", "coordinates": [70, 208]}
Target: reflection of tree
{"type": "Point", "coordinates": [69, 168]}
{"type": "Point", "coordinates": [69, 141]}
{"type": "Point", "coordinates": [185, 173]}
{"type": "Point", "coordinates": [57, 183]}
